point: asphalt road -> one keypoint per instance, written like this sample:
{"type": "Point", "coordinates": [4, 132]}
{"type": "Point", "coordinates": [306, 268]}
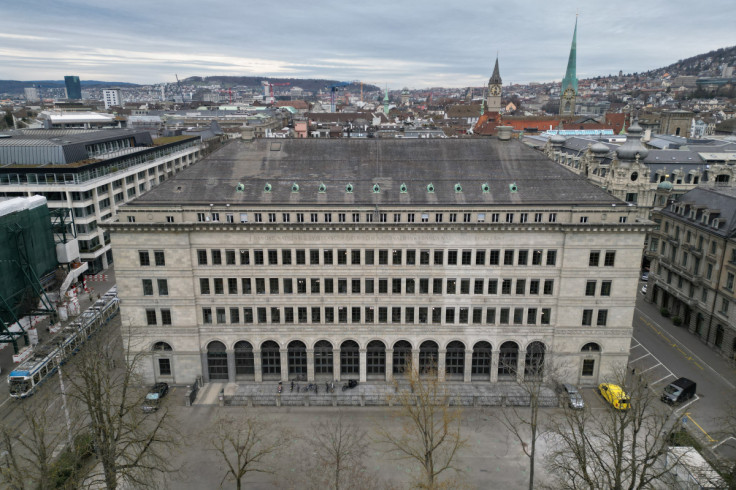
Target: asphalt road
{"type": "Point", "coordinates": [662, 352]}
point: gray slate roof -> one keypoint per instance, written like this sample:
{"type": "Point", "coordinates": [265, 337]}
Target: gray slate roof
{"type": "Point", "coordinates": [723, 199]}
{"type": "Point", "coordinates": [388, 163]}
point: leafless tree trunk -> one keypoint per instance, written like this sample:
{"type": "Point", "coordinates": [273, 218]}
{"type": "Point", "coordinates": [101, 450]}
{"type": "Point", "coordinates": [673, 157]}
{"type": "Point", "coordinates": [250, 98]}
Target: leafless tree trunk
{"type": "Point", "coordinates": [523, 421]}
{"type": "Point", "coordinates": [430, 429]}
{"type": "Point", "coordinates": [247, 445]}
{"type": "Point", "coordinates": [28, 447]}
{"type": "Point", "coordinates": [131, 446]}
{"type": "Point", "coordinates": [613, 449]}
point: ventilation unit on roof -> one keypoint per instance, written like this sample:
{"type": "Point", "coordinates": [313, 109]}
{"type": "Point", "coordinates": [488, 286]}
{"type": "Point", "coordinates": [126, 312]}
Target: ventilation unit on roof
{"type": "Point", "coordinates": [458, 188]}
{"type": "Point", "coordinates": [403, 188]}
{"type": "Point", "coordinates": [294, 187]}
{"type": "Point", "coordinates": [240, 187]}
{"type": "Point", "coordinates": [376, 188]}
{"type": "Point", "coordinates": [486, 188]}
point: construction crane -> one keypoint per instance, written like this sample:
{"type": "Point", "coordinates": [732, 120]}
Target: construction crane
{"type": "Point", "coordinates": [178, 84]}
{"type": "Point", "coordinates": [269, 89]}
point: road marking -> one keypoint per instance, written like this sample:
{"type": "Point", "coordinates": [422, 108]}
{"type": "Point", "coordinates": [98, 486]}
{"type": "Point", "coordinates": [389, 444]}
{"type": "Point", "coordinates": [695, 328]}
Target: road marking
{"type": "Point", "coordinates": [639, 358]}
{"type": "Point", "coordinates": [695, 398]}
{"type": "Point", "coordinates": [726, 439]}
{"type": "Point", "coordinates": [691, 355]}
{"type": "Point", "coordinates": [701, 429]}
{"type": "Point", "coordinates": [669, 375]}
{"type": "Point", "coordinates": [655, 358]}
{"type": "Point", "coordinates": [656, 365]}
{"type": "Point", "coordinates": [637, 344]}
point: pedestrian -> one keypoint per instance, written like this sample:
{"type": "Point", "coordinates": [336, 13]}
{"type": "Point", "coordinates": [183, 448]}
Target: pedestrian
{"type": "Point", "coordinates": [297, 387]}
{"type": "Point", "coordinates": [633, 371]}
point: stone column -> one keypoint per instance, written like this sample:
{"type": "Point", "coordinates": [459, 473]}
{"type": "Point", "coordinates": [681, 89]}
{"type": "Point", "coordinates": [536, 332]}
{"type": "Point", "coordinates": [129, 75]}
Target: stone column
{"type": "Point", "coordinates": [336, 364]}
{"type": "Point", "coordinates": [310, 365]}
{"type": "Point", "coordinates": [494, 365]}
{"type": "Point", "coordinates": [363, 365]}
{"type": "Point", "coordinates": [520, 366]}
{"type": "Point", "coordinates": [205, 370]}
{"type": "Point", "coordinates": [257, 366]}
{"type": "Point", "coordinates": [389, 365]}
{"type": "Point", "coordinates": [441, 359]}
{"type": "Point", "coordinates": [415, 361]}
{"type": "Point", "coordinates": [468, 367]}
{"type": "Point", "coordinates": [284, 353]}
{"type": "Point", "coordinates": [231, 366]}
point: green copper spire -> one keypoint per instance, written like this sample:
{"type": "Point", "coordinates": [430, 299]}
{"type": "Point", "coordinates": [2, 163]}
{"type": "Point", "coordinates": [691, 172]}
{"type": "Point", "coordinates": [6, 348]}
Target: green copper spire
{"type": "Point", "coordinates": [385, 102]}
{"type": "Point", "coordinates": [570, 79]}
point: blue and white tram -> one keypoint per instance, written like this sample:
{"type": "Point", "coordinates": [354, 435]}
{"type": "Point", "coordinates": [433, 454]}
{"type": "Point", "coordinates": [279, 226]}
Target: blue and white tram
{"type": "Point", "coordinates": [45, 359]}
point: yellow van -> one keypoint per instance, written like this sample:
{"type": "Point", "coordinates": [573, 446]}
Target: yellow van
{"type": "Point", "coordinates": [614, 395]}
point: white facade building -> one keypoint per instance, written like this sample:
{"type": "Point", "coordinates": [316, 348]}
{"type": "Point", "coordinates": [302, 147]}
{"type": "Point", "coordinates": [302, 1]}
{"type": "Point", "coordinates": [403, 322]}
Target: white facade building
{"type": "Point", "coordinates": [274, 260]}
{"type": "Point", "coordinates": [111, 97]}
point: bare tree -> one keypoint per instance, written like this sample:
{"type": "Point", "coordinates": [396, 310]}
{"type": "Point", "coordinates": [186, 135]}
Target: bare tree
{"type": "Point", "coordinates": [247, 445]}
{"type": "Point", "coordinates": [613, 449]}
{"type": "Point", "coordinates": [131, 446]}
{"type": "Point", "coordinates": [28, 448]}
{"type": "Point", "coordinates": [338, 449]}
{"type": "Point", "coordinates": [521, 414]}
{"type": "Point", "coordinates": [429, 431]}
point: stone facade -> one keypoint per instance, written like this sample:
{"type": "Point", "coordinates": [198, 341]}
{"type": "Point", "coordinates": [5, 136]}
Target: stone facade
{"type": "Point", "coordinates": [257, 289]}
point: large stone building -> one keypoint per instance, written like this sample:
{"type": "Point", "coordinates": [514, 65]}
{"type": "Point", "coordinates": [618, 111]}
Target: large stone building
{"type": "Point", "coordinates": [330, 259]}
{"type": "Point", "coordinates": [693, 264]}
{"type": "Point", "coordinates": [90, 173]}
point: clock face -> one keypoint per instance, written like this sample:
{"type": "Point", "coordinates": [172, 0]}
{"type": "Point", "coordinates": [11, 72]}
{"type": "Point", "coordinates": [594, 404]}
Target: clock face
{"type": "Point", "coordinates": [495, 90]}
{"type": "Point", "coordinates": [569, 93]}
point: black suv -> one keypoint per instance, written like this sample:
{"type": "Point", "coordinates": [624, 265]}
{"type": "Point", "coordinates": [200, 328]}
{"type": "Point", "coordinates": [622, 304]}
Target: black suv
{"type": "Point", "coordinates": [153, 398]}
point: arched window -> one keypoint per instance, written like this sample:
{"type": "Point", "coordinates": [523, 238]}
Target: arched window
{"type": "Point", "coordinates": [508, 359]}
{"type": "Point", "coordinates": [455, 358]}
{"type": "Point", "coordinates": [482, 352]}
{"type": "Point", "coordinates": [297, 355]}
{"type": "Point", "coordinates": [349, 357]}
{"type": "Point", "coordinates": [323, 357]}
{"type": "Point", "coordinates": [534, 361]}
{"type": "Point", "coordinates": [161, 346]}
{"type": "Point", "coordinates": [244, 358]}
{"type": "Point", "coordinates": [217, 360]}
{"type": "Point", "coordinates": [270, 358]}
{"type": "Point", "coordinates": [402, 356]}
{"type": "Point", "coordinates": [376, 358]}
{"type": "Point", "coordinates": [591, 347]}
{"type": "Point", "coordinates": [428, 354]}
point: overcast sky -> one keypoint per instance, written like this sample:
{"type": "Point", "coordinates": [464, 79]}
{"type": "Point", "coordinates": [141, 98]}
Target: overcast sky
{"type": "Point", "coordinates": [416, 44]}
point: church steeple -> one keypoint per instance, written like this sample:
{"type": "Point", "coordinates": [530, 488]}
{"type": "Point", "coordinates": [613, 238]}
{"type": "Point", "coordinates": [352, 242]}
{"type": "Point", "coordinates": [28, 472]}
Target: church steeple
{"type": "Point", "coordinates": [493, 99]}
{"type": "Point", "coordinates": [569, 89]}
{"type": "Point", "coordinates": [385, 102]}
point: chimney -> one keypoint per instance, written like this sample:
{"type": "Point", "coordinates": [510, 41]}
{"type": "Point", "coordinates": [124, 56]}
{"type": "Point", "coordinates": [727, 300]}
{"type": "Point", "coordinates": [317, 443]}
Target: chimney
{"type": "Point", "coordinates": [504, 132]}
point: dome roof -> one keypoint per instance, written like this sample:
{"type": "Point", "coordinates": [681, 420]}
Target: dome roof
{"type": "Point", "coordinates": [599, 148]}
{"type": "Point", "coordinates": [665, 185]}
{"type": "Point", "coordinates": [557, 139]}
{"type": "Point", "coordinates": [633, 146]}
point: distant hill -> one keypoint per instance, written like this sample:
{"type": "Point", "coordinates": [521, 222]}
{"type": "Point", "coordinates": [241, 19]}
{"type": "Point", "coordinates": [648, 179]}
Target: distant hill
{"type": "Point", "coordinates": [17, 86]}
{"type": "Point", "coordinates": [309, 84]}
{"type": "Point", "coordinates": [703, 65]}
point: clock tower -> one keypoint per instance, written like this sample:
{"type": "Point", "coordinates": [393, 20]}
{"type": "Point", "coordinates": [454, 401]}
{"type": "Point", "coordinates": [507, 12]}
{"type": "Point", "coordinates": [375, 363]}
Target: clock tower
{"type": "Point", "coordinates": [493, 99]}
{"type": "Point", "coordinates": [569, 90]}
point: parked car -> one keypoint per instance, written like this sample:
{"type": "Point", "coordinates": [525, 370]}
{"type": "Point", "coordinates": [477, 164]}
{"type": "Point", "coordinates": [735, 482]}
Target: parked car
{"type": "Point", "coordinates": [614, 395]}
{"type": "Point", "coordinates": [645, 276]}
{"type": "Point", "coordinates": [644, 289]}
{"type": "Point", "coordinates": [572, 396]}
{"type": "Point", "coordinates": [679, 391]}
{"type": "Point", "coordinates": [153, 398]}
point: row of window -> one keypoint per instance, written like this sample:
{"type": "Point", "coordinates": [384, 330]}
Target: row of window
{"type": "Point", "coordinates": [219, 285]}
{"type": "Point", "coordinates": [437, 257]}
{"type": "Point", "coordinates": [380, 217]}
{"type": "Point", "coordinates": [370, 314]}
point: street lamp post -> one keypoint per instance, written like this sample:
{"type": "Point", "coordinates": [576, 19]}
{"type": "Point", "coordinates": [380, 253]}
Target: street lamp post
{"type": "Point", "coordinates": [63, 403]}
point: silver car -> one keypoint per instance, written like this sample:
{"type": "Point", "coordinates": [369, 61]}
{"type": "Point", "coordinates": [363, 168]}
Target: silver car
{"type": "Point", "coordinates": [572, 396]}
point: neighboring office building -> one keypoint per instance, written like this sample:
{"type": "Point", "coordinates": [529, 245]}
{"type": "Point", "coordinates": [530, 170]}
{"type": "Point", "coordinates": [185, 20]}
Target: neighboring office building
{"type": "Point", "coordinates": [90, 172]}
{"type": "Point", "coordinates": [111, 97]}
{"type": "Point", "coordinates": [79, 120]}
{"type": "Point", "coordinates": [270, 260]}
{"type": "Point", "coordinates": [644, 177]}
{"type": "Point", "coordinates": [73, 87]}
{"type": "Point", "coordinates": [693, 265]}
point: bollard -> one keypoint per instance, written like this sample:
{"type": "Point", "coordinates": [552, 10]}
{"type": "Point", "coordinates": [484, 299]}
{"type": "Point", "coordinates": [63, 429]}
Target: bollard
{"type": "Point", "coordinates": [475, 400]}
{"type": "Point", "coordinates": [362, 400]}
{"type": "Point", "coordinates": [278, 399]}
{"type": "Point", "coordinates": [306, 401]}
{"type": "Point", "coordinates": [188, 398]}
{"type": "Point", "coordinates": [249, 399]}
